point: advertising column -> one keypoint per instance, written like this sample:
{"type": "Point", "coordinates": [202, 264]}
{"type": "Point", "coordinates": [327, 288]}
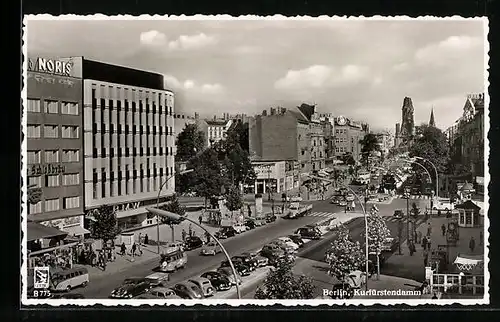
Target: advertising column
{"type": "Point", "coordinates": [258, 205]}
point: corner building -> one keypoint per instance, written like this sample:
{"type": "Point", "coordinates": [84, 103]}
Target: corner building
{"type": "Point", "coordinates": [54, 144]}
{"type": "Point", "coordinates": [128, 142]}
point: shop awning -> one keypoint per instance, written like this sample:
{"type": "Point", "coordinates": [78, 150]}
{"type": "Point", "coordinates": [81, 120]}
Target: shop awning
{"type": "Point", "coordinates": [76, 230]}
{"type": "Point", "coordinates": [39, 231]}
{"type": "Point", "coordinates": [469, 262]}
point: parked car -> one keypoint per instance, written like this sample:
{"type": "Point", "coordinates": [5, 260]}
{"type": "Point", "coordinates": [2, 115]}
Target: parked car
{"type": "Point", "coordinates": [218, 280]}
{"type": "Point", "coordinates": [297, 239]}
{"type": "Point", "coordinates": [239, 228]}
{"type": "Point", "coordinates": [270, 217]}
{"type": "Point", "coordinates": [226, 232]}
{"type": "Point", "coordinates": [356, 279]}
{"type": "Point", "coordinates": [161, 293]}
{"type": "Point", "coordinates": [240, 267]}
{"type": "Point", "coordinates": [211, 248]}
{"type": "Point", "coordinates": [228, 272]}
{"type": "Point", "coordinates": [349, 197]}
{"type": "Point", "coordinates": [342, 291]}
{"type": "Point", "coordinates": [342, 203]}
{"type": "Point", "coordinates": [250, 223]}
{"type": "Point", "coordinates": [158, 279]}
{"type": "Point", "coordinates": [285, 246]}
{"type": "Point", "coordinates": [261, 260]}
{"type": "Point", "coordinates": [130, 288]}
{"type": "Point", "coordinates": [246, 259]}
{"type": "Point", "coordinates": [399, 213]}
{"type": "Point", "coordinates": [446, 206]}
{"type": "Point", "coordinates": [260, 221]}
{"type": "Point", "coordinates": [188, 290]}
{"type": "Point", "coordinates": [193, 242]}
{"type": "Point", "coordinates": [390, 244]}
{"type": "Point", "coordinates": [289, 242]}
{"type": "Point", "coordinates": [294, 199]}
{"type": "Point", "coordinates": [204, 284]}
{"type": "Point", "coordinates": [309, 232]}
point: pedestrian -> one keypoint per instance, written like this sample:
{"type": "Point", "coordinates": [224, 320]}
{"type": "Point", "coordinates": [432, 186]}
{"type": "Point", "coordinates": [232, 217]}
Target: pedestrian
{"type": "Point", "coordinates": [183, 234]}
{"type": "Point", "coordinates": [190, 230]}
{"type": "Point", "coordinates": [123, 249]}
{"type": "Point", "coordinates": [443, 229]}
{"type": "Point", "coordinates": [249, 208]}
{"type": "Point", "coordinates": [424, 243]}
{"type": "Point", "coordinates": [283, 208]}
{"type": "Point", "coordinates": [434, 297]}
{"type": "Point", "coordinates": [429, 242]}
{"type": "Point", "coordinates": [146, 239]}
{"type": "Point", "coordinates": [410, 248]}
{"type": "Point", "coordinates": [419, 236]}
{"type": "Point", "coordinates": [429, 229]}
{"type": "Point", "coordinates": [345, 209]}
{"type": "Point", "coordinates": [207, 236]}
{"type": "Point", "coordinates": [200, 218]}
{"type": "Point", "coordinates": [134, 249]}
{"type": "Point", "coordinates": [140, 238]}
{"type": "Point", "coordinates": [139, 249]}
{"type": "Point", "coordinates": [472, 244]}
{"type": "Point", "coordinates": [481, 238]}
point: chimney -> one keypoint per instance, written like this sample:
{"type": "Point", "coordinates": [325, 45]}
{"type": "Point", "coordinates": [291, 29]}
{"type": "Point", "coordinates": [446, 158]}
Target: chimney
{"type": "Point", "coordinates": [196, 115]}
{"type": "Point", "coordinates": [264, 113]}
{"type": "Point", "coordinates": [273, 111]}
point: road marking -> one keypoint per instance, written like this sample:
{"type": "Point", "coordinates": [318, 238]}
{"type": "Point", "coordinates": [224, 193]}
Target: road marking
{"type": "Point", "coordinates": [321, 214]}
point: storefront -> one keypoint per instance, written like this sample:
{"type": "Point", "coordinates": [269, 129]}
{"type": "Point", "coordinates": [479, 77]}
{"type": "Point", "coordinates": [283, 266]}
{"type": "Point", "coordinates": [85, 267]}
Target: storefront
{"type": "Point", "coordinates": [270, 177]}
{"type": "Point", "coordinates": [468, 214]}
{"type": "Point", "coordinates": [73, 226]}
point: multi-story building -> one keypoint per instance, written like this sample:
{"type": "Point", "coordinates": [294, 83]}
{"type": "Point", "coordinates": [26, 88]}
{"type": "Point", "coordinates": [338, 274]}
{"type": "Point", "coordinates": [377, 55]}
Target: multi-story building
{"type": "Point", "coordinates": [348, 133]}
{"type": "Point", "coordinates": [328, 124]}
{"type": "Point", "coordinates": [316, 135]}
{"type": "Point", "coordinates": [129, 141]}
{"type": "Point", "coordinates": [181, 120]}
{"type": "Point", "coordinates": [54, 143]}
{"type": "Point", "coordinates": [385, 140]}
{"type": "Point", "coordinates": [282, 135]}
{"type": "Point", "coordinates": [214, 129]}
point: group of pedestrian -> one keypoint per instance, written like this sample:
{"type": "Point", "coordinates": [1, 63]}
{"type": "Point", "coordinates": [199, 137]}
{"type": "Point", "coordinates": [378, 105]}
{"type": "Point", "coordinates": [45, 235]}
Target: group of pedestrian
{"type": "Point", "coordinates": [135, 250]}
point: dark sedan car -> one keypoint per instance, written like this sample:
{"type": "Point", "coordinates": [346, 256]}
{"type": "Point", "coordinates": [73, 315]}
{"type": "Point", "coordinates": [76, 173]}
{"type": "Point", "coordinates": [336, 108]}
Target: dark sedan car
{"type": "Point", "coordinates": [226, 232]}
{"type": "Point", "coordinates": [242, 269]}
{"type": "Point", "coordinates": [188, 290]}
{"type": "Point", "coordinates": [270, 217]}
{"type": "Point", "coordinates": [246, 259]}
{"type": "Point", "coordinates": [193, 242]}
{"type": "Point", "coordinates": [130, 288]}
{"type": "Point", "coordinates": [250, 224]}
{"type": "Point", "coordinates": [218, 280]}
{"type": "Point", "coordinates": [309, 232]}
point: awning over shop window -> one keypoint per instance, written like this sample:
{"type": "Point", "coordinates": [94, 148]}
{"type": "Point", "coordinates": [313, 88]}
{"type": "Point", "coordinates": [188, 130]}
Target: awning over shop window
{"type": "Point", "coordinates": [469, 262]}
{"type": "Point", "coordinates": [39, 231]}
{"type": "Point", "coordinates": [76, 230]}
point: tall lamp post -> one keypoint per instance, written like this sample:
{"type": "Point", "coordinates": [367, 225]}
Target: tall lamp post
{"type": "Point", "coordinates": [435, 171]}
{"type": "Point", "coordinates": [366, 224]}
{"type": "Point", "coordinates": [423, 167]}
{"type": "Point", "coordinates": [158, 204]}
{"type": "Point", "coordinates": [173, 216]}
{"type": "Point", "coordinates": [407, 197]}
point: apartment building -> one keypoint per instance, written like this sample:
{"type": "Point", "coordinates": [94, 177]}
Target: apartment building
{"type": "Point", "coordinates": [348, 133]}
{"type": "Point", "coordinates": [316, 135]}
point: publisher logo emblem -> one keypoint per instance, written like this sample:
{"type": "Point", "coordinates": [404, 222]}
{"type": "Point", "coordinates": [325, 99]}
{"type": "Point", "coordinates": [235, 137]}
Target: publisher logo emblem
{"type": "Point", "coordinates": [41, 277]}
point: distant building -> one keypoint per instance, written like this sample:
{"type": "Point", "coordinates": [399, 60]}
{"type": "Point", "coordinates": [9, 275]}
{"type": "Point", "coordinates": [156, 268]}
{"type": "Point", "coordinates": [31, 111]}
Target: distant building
{"type": "Point", "coordinates": [385, 140]}
{"type": "Point", "coordinates": [214, 129]}
{"type": "Point", "coordinates": [348, 133]}
{"type": "Point", "coordinates": [317, 136]}
{"type": "Point", "coordinates": [431, 120]}
{"type": "Point", "coordinates": [181, 120]}
{"type": "Point", "coordinates": [328, 124]}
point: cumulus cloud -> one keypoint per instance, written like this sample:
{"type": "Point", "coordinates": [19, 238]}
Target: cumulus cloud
{"type": "Point", "coordinates": [318, 76]}
{"type": "Point", "coordinates": [175, 84]}
{"type": "Point", "coordinates": [155, 38]}
{"type": "Point", "coordinates": [447, 50]}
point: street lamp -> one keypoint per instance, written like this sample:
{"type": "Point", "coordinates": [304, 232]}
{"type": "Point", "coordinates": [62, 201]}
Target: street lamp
{"type": "Point", "coordinates": [366, 223]}
{"type": "Point", "coordinates": [423, 167]}
{"type": "Point", "coordinates": [173, 216]}
{"type": "Point", "coordinates": [436, 172]}
{"type": "Point", "coordinates": [158, 204]}
{"type": "Point", "coordinates": [407, 197]}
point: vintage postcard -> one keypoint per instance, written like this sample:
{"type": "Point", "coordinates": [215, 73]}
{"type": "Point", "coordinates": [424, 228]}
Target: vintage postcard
{"type": "Point", "coordinates": [251, 160]}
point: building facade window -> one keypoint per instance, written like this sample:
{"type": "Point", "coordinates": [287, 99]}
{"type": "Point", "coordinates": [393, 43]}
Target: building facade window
{"type": "Point", "coordinates": [52, 205]}
{"type": "Point", "coordinates": [51, 156]}
{"type": "Point", "coordinates": [52, 180]}
{"type": "Point", "coordinates": [70, 132]}
{"type": "Point", "coordinates": [69, 108]}
{"type": "Point", "coordinates": [35, 209]}
{"type": "Point", "coordinates": [71, 179]}
{"type": "Point", "coordinates": [35, 181]}
{"type": "Point", "coordinates": [51, 131]}
{"type": "Point", "coordinates": [33, 131]}
{"type": "Point", "coordinates": [33, 157]}
{"type": "Point", "coordinates": [33, 106]}
{"type": "Point", "coordinates": [71, 155]}
{"type": "Point", "coordinates": [50, 107]}
{"type": "Point", "coordinates": [71, 202]}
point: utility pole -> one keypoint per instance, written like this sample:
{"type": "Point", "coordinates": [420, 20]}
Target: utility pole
{"type": "Point", "coordinates": [400, 233]}
{"type": "Point", "coordinates": [407, 196]}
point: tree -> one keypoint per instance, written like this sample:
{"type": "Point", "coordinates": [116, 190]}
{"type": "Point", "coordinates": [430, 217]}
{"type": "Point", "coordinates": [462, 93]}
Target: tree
{"type": "Point", "coordinates": [34, 194]}
{"type": "Point", "coordinates": [282, 284]}
{"type": "Point", "coordinates": [369, 144]}
{"type": "Point", "coordinates": [377, 234]}
{"type": "Point", "coordinates": [189, 141]}
{"type": "Point", "coordinates": [207, 178]}
{"type": "Point", "coordinates": [175, 207]}
{"type": "Point", "coordinates": [238, 134]}
{"type": "Point", "coordinates": [234, 200]}
{"type": "Point", "coordinates": [348, 159]}
{"type": "Point", "coordinates": [344, 255]}
{"type": "Point", "coordinates": [105, 226]}
{"type": "Point", "coordinates": [431, 144]}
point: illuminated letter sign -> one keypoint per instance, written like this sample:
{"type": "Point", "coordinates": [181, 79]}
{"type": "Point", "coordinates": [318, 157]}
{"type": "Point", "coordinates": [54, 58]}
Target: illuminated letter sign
{"type": "Point", "coordinates": [50, 66]}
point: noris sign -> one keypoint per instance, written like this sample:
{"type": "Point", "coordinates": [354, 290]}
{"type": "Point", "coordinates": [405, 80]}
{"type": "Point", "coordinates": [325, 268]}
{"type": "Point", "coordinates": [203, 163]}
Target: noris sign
{"type": "Point", "coordinates": [51, 66]}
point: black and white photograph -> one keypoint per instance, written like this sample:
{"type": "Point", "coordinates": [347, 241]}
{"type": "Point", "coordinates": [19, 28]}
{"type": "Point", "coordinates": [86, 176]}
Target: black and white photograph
{"type": "Point", "coordinates": [254, 160]}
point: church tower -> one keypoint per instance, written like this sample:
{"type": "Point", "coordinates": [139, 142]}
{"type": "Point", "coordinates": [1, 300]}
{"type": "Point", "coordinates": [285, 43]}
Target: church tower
{"type": "Point", "coordinates": [431, 121]}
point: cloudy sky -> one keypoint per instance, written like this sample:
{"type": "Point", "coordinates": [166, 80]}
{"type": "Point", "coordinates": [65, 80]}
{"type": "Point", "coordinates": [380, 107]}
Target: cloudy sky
{"type": "Point", "coordinates": [358, 68]}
